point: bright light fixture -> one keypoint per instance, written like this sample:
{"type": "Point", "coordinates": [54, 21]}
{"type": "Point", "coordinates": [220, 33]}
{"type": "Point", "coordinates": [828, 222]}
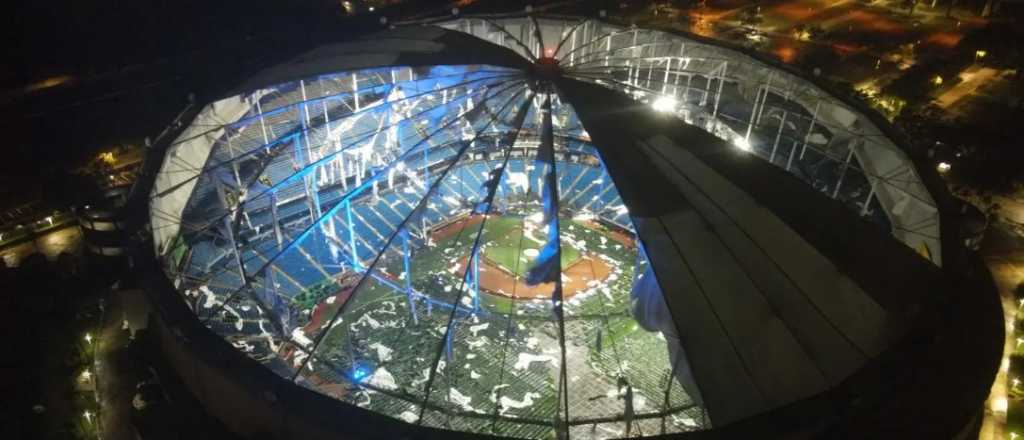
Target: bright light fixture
{"type": "Point", "coordinates": [999, 405]}
{"type": "Point", "coordinates": [665, 104]}
{"type": "Point", "coordinates": [943, 167]}
{"type": "Point", "coordinates": [741, 143]}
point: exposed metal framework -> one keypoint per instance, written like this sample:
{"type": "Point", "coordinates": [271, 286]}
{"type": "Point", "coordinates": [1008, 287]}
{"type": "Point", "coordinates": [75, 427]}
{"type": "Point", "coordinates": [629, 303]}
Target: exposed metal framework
{"type": "Point", "coordinates": [770, 112]}
{"type": "Point", "coordinates": [446, 245]}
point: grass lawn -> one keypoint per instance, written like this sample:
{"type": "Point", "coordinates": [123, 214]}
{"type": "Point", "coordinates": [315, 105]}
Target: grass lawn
{"type": "Point", "coordinates": [505, 244]}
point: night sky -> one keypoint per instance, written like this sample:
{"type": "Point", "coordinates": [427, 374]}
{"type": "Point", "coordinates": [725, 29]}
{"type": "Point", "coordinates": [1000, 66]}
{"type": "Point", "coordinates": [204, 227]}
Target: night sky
{"type": "Point", "coordinates": [127, 68]}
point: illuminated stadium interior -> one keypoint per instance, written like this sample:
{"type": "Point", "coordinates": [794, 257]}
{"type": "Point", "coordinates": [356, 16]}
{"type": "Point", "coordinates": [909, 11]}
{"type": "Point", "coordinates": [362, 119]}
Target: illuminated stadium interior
{"type": "Point", "coordinates": [443, 244]}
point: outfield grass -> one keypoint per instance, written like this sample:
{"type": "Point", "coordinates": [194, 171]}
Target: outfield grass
{"type": "Point", "coordinates": [505, 244]}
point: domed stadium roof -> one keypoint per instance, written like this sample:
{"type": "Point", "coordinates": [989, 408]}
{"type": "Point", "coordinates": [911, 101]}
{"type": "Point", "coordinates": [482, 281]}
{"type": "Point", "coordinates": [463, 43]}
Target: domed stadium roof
{"type": "Point", "coordinates": [538, 226]}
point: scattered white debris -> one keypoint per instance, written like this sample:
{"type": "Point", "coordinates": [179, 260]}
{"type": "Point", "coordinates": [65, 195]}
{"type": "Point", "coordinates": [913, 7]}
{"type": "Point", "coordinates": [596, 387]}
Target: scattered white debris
{"type": "Point", "coordinates": [366, 320]}
{"type": "Point", "coordinates": [330, 299]}
{"type": "Point", "coordinates": [494, 391]}
{"type": "Point", "coordinates": [298, 358]}
{"type": "Point", "coordinates": [688, 421]}
{"type": "Point", "coordinates": [209, 296]}
{"type": "Point", "coordinates": [476, 328]}
{"type": "Point", "coordinates": [382, 379]}
{"type": "Point", "coordinates": [639, 402]}
{"type": "Point", "coordinates": [531, 342]}
{"type": "Point", "coordinates": [383, 352]}
{"type": "Point", "coordinates": [526, 401]}
{"type": "Point", "coordinates": [238, 324]}
{"type": "Point", "coordinates": [419, 381]}
{"type": "Point", "coordinates": [299, 337]}
{"type": "Point", "coordinates": [460, 399]}
{"type": "Point", "coordinates": [387, 307]}
{"type": "Point", "coordinates": [365, 395]}
{"type": "Point", "coordinates": [525, 359]}
{"type": "Point", "coordinates": [409, 417]}
{"type": "Point", "coordinates": [473, 375]}
{"type": "Point", "coordinates": [264, 333]}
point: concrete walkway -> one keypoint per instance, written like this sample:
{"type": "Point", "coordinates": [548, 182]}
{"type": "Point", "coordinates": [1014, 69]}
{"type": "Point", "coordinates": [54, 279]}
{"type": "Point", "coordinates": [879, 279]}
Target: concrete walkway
{"type": "Point", "coordinates": [971, 79]}
{"type": "Point", "coordinates": [117, 377]}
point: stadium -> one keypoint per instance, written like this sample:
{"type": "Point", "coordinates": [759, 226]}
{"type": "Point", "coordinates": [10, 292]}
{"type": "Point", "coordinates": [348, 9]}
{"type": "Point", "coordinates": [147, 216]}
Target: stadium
{"type": "Point", "coordinates": [539, 226]}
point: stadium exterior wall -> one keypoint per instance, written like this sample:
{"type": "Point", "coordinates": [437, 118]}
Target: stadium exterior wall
{"type": "Point", "coordinates": [256, 403]}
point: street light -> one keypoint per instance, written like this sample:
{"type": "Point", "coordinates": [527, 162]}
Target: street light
{"type": "Point", "coordinates": [999, 405]}
{"type": "Point", "coordinates": [88, 338]}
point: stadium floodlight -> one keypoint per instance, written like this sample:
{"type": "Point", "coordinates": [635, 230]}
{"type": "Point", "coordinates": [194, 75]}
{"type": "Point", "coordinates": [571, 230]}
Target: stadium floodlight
{"type": "Point", "coordinates": [665, 104]}
{"type": "Point", "coordinates": [741, 143]}
{"type": "Point", "coordinates": [483, 227]}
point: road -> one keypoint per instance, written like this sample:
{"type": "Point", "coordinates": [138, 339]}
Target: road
{"type": "Point", "coordinates": [116, 377]}
{"type": "Point", "coordinates": [51, 245]}
{"type": "Point", "coordinates": [971, 79]}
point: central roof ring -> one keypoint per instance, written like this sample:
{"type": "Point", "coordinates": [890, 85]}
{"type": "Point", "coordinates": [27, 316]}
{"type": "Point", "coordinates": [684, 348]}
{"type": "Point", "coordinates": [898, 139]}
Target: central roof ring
{"type": "Point", "coordinates": [543, 74]}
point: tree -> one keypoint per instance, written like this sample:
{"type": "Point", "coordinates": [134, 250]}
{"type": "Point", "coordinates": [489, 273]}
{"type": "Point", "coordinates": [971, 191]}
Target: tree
{"type": "Point", "coordinates": [909, 5]}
